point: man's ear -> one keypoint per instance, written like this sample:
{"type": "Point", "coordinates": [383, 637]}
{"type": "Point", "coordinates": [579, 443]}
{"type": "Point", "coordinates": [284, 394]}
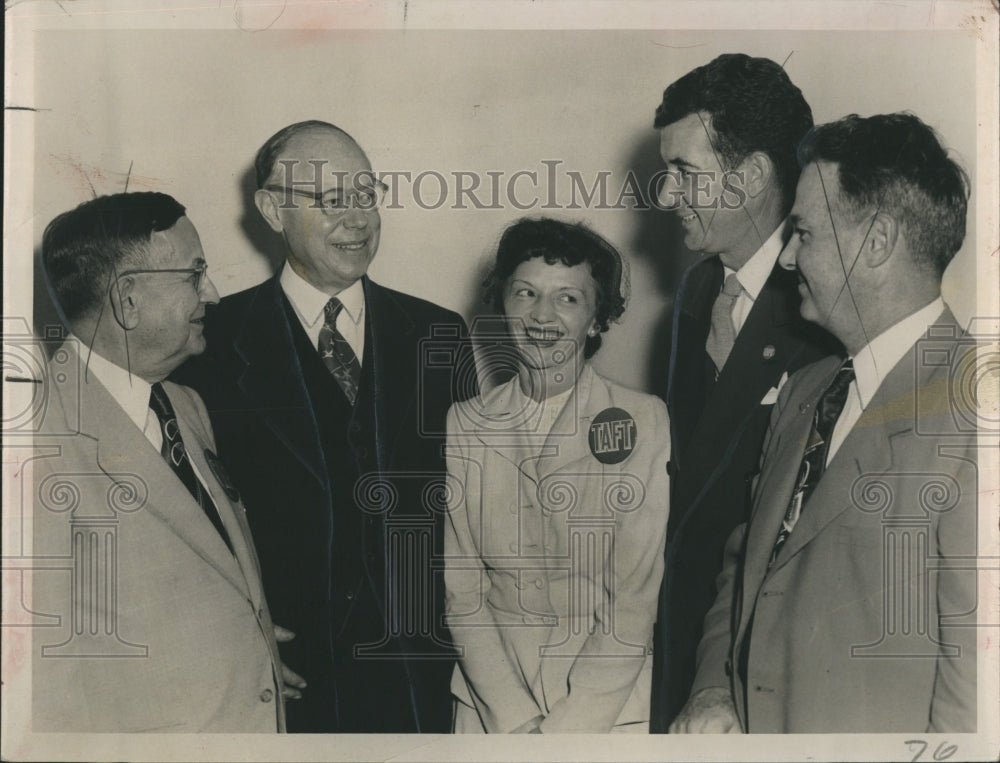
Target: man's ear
{"type": "Point", "coordinates": [124, 303]}
{"type": "Point", "coordinates": [268, 209]}
{"type": "Point", "coordinates": [883, 235]}
{"type": "Point", "coordinates": [757, 173]}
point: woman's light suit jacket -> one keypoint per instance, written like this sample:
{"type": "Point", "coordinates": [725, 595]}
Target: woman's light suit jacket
{"type": "Point", "coordinates": [554, 558]}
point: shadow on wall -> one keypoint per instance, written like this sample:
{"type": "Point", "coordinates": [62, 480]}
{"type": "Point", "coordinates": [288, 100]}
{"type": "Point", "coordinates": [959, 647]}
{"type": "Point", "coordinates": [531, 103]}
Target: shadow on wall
{"type": "Point", "coordinates": [264, 241]}
{"type": "Point", "coordinates": [45, 318]}
{"type": "Point", "coordinates": [496, 358]}
{"type": "Point", "coordinates": [658, 240]}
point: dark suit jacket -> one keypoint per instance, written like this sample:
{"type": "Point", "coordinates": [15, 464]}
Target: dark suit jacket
{"type": "Point", "coordinates": [251, 380]}
{"type": "Point", "coordinates": [865, 621]}
{"type": "Point", "coordinates": [716, 430]}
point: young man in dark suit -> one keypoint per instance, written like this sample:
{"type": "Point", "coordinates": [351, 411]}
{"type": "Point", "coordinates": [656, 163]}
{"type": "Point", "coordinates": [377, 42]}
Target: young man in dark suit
{"type": "Point", "coordinates": [728, 134]}
{"type": "Point", "coordinates": [332, 424]}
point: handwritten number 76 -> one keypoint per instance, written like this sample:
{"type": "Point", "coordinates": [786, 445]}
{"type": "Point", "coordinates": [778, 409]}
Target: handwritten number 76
{"type": "Point", "coordinates": [943, 751]}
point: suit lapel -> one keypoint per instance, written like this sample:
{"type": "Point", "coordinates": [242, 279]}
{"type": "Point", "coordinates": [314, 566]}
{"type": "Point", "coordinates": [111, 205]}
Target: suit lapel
{"type": "Point", "coordinates": [692, 313]}
{"type": "Point", "coordinates": [751, 368]}
{"type": "Point", "coordinates": [568, 441]}
{"type": "Point", "coordinates": [763, 349]}
{"type": "Point", "coordinates": [506, 424]}
{"type": "Point", "coordinates": [272, 377]}
{"type": "Point", "coordinates": [232, 515]}
{"type": "Point", "coordinates": [868, 449]}
{"type": "Point", "coordinates": [389, 349]}
{"type": "Point", "coordinates": [777, 481]}
{"type": "Point", "coordinates": [123, 449]}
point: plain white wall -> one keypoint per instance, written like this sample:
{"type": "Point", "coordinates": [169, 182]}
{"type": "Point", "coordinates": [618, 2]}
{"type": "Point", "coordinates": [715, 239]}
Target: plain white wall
{"type": "Point", "coordinates": [188, 109]}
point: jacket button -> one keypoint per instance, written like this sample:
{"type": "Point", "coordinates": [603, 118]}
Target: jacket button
{"type": "Point", "coordinates": [267, 695]}
{"type": "Point", "coordinates": [260, 614]}
{"type": "Point", "coordinates": [539, 583]}
{"type": "Point", "coordinates": [512, 508]}
{"type": "Point", "coordinates": [513, 547]}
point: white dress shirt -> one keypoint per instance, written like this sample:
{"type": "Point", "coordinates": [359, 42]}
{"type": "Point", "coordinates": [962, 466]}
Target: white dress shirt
{"type": "Point", "coordinates": [874, 362]}
{"type": "Point", "coordinates": [753, 275]}
{"type": "Point", "coordinates": [130, 392]}
{"type": "Point", "coordinates": [308, 302]}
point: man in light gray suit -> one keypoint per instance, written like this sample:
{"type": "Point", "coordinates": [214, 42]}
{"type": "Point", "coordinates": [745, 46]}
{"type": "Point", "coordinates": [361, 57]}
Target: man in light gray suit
{"type": "Point", "coordinates": [150, 566]}
{"type": "Point", "coordinates": [848, 602]}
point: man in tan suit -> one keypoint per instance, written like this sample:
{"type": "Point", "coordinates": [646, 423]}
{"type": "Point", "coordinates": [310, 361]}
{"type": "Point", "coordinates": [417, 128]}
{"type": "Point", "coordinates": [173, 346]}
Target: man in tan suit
{"type": "Point", "coordinates": [149, 565]}
{"type": "Point", "coordinates": [848, 602]}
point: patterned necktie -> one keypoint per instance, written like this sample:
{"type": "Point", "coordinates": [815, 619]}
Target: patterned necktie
{"type": "Point", "coordinates": [818, 446]}
{"type": "Point", "coordinates": [336, 353]}
{"type": "Point", "coordinates": [722, 333]}
{"type": "Point", "coordinates": [175, 454]}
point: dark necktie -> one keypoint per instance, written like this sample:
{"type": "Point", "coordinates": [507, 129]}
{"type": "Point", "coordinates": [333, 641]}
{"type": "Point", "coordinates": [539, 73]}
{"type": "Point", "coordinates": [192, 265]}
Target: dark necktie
{"type": "Point", "coordinates": [175, 454]}
{"type": "Point", "coordinates": [828, 410]}
{"type": "Point", "coordinates": [722, 332]}
{"type": "Point", "coordinates": [336, 353]}
{"type": "Point", "coordinates": [818, 446]}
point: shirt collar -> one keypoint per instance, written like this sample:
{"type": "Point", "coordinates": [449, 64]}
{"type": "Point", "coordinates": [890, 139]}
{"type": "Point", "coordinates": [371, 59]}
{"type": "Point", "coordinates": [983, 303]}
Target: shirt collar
{"type": "Point", "coordinates": [877, 358]}
{"type": "Point", "coordinates": [755, 271]}
{"type": "Point", "coordinates": [309, 302]}
{"type": "Point", "coordinates": [129, 391]}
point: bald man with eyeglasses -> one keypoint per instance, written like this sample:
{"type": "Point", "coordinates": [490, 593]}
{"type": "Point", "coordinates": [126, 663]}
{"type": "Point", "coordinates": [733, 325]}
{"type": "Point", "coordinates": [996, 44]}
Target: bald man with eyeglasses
{"type": "Point", "coordinates": [331, 416]}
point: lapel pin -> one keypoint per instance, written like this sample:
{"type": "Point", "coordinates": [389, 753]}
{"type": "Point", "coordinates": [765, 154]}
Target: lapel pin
{"type": "Point", "coordinates": [769, 352]}
{"type": "Point", "coordinates": [222, 476]}
{"type": "Point", "coordinates": [612, 435]}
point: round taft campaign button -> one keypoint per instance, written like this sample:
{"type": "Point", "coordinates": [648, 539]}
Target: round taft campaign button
{"type": "Point", "coordinates": [612, 435]}
{"type": "Point", "coordinates": [222, 476]}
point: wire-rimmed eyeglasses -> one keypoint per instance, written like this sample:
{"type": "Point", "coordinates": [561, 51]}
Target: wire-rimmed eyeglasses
{"type": "Point", "coordinates": [335, 203]}
{"type": "Point", "coordinates": [197, 273]}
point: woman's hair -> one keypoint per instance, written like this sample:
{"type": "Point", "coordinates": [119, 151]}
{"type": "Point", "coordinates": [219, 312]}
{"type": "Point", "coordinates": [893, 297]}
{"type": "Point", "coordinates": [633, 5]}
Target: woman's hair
{"type": "Point", "coordinates": [567, 243]}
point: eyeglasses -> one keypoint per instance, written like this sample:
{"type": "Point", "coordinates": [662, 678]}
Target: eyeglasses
{"type": "Point", "coordinates": [336, 203]}
{"type": "Point", "coordinates": [196, 273]}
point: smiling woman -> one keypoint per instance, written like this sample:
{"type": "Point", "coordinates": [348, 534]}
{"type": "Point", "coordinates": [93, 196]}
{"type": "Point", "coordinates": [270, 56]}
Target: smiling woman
{"type": "Point", "coordinates": [559, 286]}
{"type": "Point", "coordinates": [554, 544]}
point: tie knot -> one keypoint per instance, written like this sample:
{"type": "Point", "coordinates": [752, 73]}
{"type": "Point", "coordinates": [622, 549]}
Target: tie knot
{"type": "Point", "coordinates": [846, 373]}
{"type": "Point", "coordinates": [732, 286]}
{"type": "Point", "coordinates": [160, 403]}
{"type": "Point", "coordinates": [832, 402]}
{"type": "Point", "coordinates": [333, 308]}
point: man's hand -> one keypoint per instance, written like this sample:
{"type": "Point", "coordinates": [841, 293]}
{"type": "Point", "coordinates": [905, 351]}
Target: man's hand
{"type": "Point", "coordinates": [292, 681]}
{"type": "Point", "coordinates": [709, 711]}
